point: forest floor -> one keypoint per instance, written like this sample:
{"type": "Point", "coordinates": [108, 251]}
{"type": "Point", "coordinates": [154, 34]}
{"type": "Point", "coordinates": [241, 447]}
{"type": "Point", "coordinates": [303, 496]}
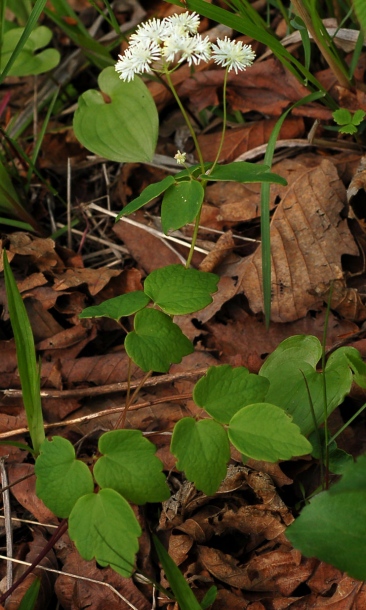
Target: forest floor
{"type": "Point", "coordinates": [235, 539]}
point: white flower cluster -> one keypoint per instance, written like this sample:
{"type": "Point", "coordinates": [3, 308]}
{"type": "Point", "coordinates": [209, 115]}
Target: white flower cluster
{"type": "Point", "coordinates": [176, 38]}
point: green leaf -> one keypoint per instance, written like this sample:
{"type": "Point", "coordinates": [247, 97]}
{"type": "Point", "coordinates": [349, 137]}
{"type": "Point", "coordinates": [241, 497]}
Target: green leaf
{"type": "Point", "coordinates": [147, 195]}
{"type": "Point", "coordinates": [349, 357]}
{"type": "Point", "coordinates": [129, 465]}
{"type": "Point", "coordinates": [360, 10]}
{"type": "Point", "coordinates": [61, 478]}
{"type": "Point", "coordinates": [332, 526]}
{"type": "Point", "coordinates": [118, 307]}
{"type": "Point", "coordinates": [242, 171]}
{"type": "Point", "coordinates": [264, 432]}
{"type": "Point", "coordinates": [183, 593]}
{"type": "Point", "coordinates": [224, 390]}
{"type": "Point", "coordinates": [350, 129]}
{"type": "Point", "coordinates": [181, 204]}
{"type": "Point", "coordinates": [28, 62]}
{"type": "Point", "coordinates": [156, 341]}
{"type": "Point", "coordinates": [178, 291]}
{"type": "Point", "coordinates": [29, 599]}
{"type": "Point", "coordinates": [342, 116]}
{"type": "Point", "coordinates": [203, 451]}
{"type": "Point", "coordinates": [126, 128]}
{"type": "Point", "coordinates": [209, 598]}
{"type": "Point", "coordinates": [103, 526]}
{"type": "Point", "coordinates": [293, 359]}
{"type": "Point", "coordinates": [29, 372]}
{"type": "Point", "coordinates": [358, 117]}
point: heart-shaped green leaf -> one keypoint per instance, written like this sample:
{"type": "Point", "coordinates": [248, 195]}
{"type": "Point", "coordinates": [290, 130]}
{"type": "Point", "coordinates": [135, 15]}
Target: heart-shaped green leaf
{"type": "Point", "coordinates": [61, 478]}
{"type": "Point", "coordinates": [118, 307]}
{"type": "Point", "coordinates": [28, 61]}
{"type": "Point", "coordinates": [156, 341]}
{"type": "Point", "coordinates": [203, 451]}
{"type": "Point", "coordinates": [181, 203]}
{"type": "Point", "coordinates": [225, 390]}
{"type": "Point", "coordinates": [129, 465]}
{"type": "Point", "coordinates": [264, 432]}
{"type": "Point", "coordinates": [178, 291]}
{"type": "Point", "coordinates": [103, 526]}
{"type": "Point", "coordinates": [126, 128]}
{"type": "Point", "coordinates": [148, 194]}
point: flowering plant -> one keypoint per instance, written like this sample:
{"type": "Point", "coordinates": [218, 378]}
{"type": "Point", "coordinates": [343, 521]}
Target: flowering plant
{"type": "Point", "coordinates": [160, 46]}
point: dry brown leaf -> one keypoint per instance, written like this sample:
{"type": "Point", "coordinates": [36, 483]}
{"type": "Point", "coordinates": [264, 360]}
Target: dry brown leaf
{"type": "Point", "coordinates": [95, 279]}
{"type": "Point", "coordinates": [308, 239]}
{"type": "Point", "coordinates": [74, 594]}
{"type": "Point", "coordinates": [40, 251]}
{"type": "Point", "coordinates": [221, 250]}
{"type": "Point", "coordinates": [243, 138]}
{"type": "Point", "coordinates": [149, 251]}
{"type": "Point", "coordinates": [25, 492]}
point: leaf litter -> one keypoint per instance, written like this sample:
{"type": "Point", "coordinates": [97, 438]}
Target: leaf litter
{"type": "Point", "coordinates": [234, 539]}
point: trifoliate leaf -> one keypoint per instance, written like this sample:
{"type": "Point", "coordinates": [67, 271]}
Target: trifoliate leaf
{"type": "Point", "coordinates": [129, 465]}
{"type": "Point", "coordinates": [61, 478]}
{"type": "Point", "coordinates": [264, 432]}
{"type": "Point", "coordinates": [103, 526]}
{"type": "Point", "coordinates": [118, 307]}
{"type": "Point", "coordinates": [156, 341]}
{"type": "Point", "coordinates": [224, 390]}
{"type": "Point", "coordinates": [147, 195]}
{"type": "Point", "coordinates": [332, 526]}
{"type": "Point", "coordinates": [178, 291]}
{"type": "Point", "coordinates": [181, 203]}
{"type": "Point", "coordinates": [124, 129]}
{"type": "Point", "coordinates": [203, 451]}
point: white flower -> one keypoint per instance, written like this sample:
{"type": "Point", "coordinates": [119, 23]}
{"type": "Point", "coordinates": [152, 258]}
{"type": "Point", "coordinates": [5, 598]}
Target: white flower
{"type": "Point", "coordinates": [192, 49]}
{"type": "Point", "coordinates": [233, 55]}
{"type": "Point", "coordinates": [137, 60]}
{"type": "Point", "coordinates": [152, 31]}
{"type": "Point", "coordinates": [180, 157]}
{"type": "Point", "coordinates": [186, 23]}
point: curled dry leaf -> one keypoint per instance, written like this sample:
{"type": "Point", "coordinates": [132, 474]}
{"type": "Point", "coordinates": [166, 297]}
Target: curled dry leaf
{"type": "Point", "coordinates": [308, 239]}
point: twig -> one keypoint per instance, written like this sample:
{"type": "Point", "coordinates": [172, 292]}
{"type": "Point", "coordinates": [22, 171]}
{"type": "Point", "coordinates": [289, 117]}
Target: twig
{"type": "Point", "coordinates": [8, 526]}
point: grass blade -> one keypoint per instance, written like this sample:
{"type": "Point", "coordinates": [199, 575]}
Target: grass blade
{"type": "Point", "coordinates": [265, 216]}
{"type": "Point", "coordinates": [182, 591]}
{"type": "Point", "coordinates": [29, 371]}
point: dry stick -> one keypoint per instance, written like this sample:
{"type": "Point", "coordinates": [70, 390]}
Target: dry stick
{"type": "Point", "coordinates": [111, 387]}
{"type": "Point", "coordinates": [52, 541]}
{"type": "Point", "coordinates": [86, 418]}
{"type": "Point", "coordinates": [76, 576]}
{"type": "Point", "coordinates": [8, 527]}
{"type": "Point", "coordinates": [322, 46]}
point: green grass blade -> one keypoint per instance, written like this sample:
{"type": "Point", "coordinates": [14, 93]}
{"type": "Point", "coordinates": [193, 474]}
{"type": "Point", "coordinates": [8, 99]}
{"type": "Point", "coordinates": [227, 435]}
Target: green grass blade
{"type": "Point", "coordinates": [26, 357]}
{"type": "Point", "coordinates": [360, 10]}
{"type": "Point", "coordinates": [29, 599]}
{"type": "Point", "coordinates": [31, 23]}
{"type": "Point", "coordinates": [265, 215]}
{"type": "Point", "coordinates": [181, 589]}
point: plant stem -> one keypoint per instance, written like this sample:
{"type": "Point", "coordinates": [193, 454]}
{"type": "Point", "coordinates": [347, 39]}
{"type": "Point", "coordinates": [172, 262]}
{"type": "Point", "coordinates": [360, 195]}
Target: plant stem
{"type": "Point", "coordinates": [301, 10]}
{"type": "Point", "coordinates": [122, 419]}
{"type": "Point", "coordinates": [186, 118]}
{"type": "Point", "coordinates": [325, 400]}
{"type": "Point", "coordinates": [224, 118]}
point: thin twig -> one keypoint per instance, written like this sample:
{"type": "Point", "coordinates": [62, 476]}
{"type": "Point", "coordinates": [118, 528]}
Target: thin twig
{"type": "Point", "coordinates": [8, 526]}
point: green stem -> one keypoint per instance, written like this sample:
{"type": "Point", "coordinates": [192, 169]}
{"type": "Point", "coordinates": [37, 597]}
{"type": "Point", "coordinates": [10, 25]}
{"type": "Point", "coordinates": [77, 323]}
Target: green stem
{"type": "Point", "coordinates": [324, 384]}
{"type": "Point", "coordinates": [224, 115]}
{"type": "Point", "coordinates": [186, 118]}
